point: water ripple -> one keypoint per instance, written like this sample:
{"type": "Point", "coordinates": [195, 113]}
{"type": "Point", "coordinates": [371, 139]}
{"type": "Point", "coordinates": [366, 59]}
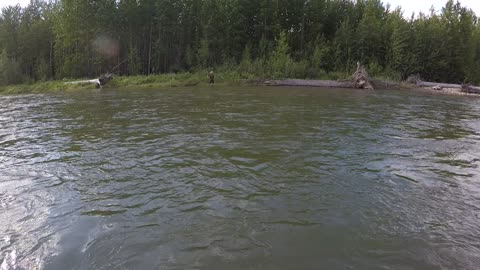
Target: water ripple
{"type": "Point", "coordinates": [239, 179]}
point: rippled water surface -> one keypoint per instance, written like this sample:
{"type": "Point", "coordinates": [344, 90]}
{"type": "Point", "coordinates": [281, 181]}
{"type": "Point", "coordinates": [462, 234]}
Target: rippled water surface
{"type": "Point", "coordinates": [239, 178]}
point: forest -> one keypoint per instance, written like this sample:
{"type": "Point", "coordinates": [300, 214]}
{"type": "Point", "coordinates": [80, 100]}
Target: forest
{"type": "Point", "coordinates": [53, 40]}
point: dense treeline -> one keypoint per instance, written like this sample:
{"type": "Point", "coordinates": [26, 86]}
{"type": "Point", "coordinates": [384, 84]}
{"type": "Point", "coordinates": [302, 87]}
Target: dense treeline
{"type": "Point", "coordinates": [271, 38]}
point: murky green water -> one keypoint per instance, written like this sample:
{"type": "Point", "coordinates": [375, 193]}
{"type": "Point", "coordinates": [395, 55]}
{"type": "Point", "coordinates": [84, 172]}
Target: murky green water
{"type": "Point", "coordinates": [239, 178]}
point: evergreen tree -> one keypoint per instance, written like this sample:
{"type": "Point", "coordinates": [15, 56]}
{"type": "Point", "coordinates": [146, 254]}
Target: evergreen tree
{"type": "Point", "coordinates": [280, 58]}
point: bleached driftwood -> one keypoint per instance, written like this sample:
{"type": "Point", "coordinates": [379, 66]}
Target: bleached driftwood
{"type": "Point", "coordinates": [310, 83]}
{"type": "Point", "coordinates": [439, 86]}
{"type": "Point", "coordinates": [99, 83]}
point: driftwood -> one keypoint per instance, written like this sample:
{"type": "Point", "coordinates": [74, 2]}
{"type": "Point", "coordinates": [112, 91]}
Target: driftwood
{"type": "Point", "coordinates": [438, 85]}
{"type": "Point", "coordinates": [383, 84]}
{"type": "Point", "coordinates": [359, 80]}
{"type": "Point", "coordinates": [413, 79]}
{"type": "Point", "coordinates": [99, 83]}
{"type": "Point", "coordinates": [103, 80]}
{"type": "Point", "coordinates": [466, 88]}
{"type": "Point", "coordinates": [310, 83]}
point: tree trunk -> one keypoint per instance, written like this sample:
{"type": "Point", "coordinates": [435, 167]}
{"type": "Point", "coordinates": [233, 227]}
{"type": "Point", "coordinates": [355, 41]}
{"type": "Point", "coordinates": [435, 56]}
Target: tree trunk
{"type": "Point", "coordinates": [441, 85]}
{"type": "Point", "coordinates": [470, 89]}
{"type": "Point", "coordinates": [51, 59]}
{"type": "Point", "coordinates": [310, 83]}
{"type": "Point", "coordinates": [150, 49]}
{"type": "Point", "coordinates": [99, 83]}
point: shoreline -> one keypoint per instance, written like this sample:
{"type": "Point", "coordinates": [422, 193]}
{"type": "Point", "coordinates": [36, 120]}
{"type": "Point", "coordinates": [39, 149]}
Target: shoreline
{"type": "Point", "coordinates": [383, 85]}
{"type": "Point", "coordinates": [447, 92]}
{"type": "Point", "coordinates": [163, 81]}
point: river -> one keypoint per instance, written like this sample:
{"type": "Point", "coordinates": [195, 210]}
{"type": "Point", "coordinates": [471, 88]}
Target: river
{"type": "Point", "coordinates": [239, 178]}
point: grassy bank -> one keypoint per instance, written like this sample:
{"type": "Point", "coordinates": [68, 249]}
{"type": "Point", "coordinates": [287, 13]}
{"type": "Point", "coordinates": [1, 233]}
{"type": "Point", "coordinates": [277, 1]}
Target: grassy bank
{"type": "Point", "coordinates": [222, 77]}
{"type": "Point", "coordinates": [158, 81]}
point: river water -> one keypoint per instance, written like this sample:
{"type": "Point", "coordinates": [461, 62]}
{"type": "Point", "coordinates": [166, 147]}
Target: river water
{"type": "Point", "coordinates": [239, 178]}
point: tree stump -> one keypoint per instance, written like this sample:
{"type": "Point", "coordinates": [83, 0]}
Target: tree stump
{"type": "Point", "coordinates": [104, 79]}
{"type": "Point", "coordinates": [361, 78]}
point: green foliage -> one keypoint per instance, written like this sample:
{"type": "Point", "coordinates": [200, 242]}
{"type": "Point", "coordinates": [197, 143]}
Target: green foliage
{"type": "Point", "coordinates": [42, 70]}
{"type": "Point", "coordinates": [374, 69]}
{"type": "Point", "coordinates": [9, 70]}
{"type": "Point", "coordinates": [368, 35]}
{"type": "Point", "coordinates": [298, 69]}
{"type": "Point", "coordinates": [246, 62]}
{"type": "Point", "coordinates": [258, 38]}
{"type": "Point", "coordinates": [203, 54]}
{"type": "Point", "coordinates": [344, 46]}
{"type": "Point", "coordinates": [134, 62]}
{"type": "Point", "coordinates": [398, 55]}
{"type": "Point", "coordinates": [322, 55]}
{"type": "Point", "coordinates": [280, 60]}
{"type": "Point", "coordinates": [189, 58]}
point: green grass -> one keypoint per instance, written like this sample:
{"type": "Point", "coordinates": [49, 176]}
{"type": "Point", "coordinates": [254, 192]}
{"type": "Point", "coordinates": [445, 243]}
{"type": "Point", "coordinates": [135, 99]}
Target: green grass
{"type": "Point", "coordinates": [42, 87]}
{"type": "Point", "coordinates": [152, 81]}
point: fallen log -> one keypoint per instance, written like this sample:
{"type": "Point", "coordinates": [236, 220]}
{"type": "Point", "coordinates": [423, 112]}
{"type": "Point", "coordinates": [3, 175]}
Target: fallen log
{"type": "Point", "coordinates": [310, 83]}
{"type": "Point", "coordinates": [359, 80]}
{"type": "Point", "coordinates": [99, 82]}
{"type": "Point", "coordinates": [470, 89]}
{"type": "Point", "coordinates": [103, 80]}
{"type": "Point", "coordinates": [466, 88]}
{"type": "Point", "coordinates": [383, 84]}
{"type": "Point", "coordinates": [441, 85]}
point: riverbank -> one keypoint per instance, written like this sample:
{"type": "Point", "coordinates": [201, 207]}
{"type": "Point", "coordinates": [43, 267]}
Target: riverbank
{"type": "Point", "coordinates": [223, 76]}
{"type": "Point", "coordinates": [226, 78]}
{"type": "Point", "coordinates": [445, 91]}
{"type": "Point", "coordinates": [158, 81]}
{"type": "Point", "coordinates": [377, 83]}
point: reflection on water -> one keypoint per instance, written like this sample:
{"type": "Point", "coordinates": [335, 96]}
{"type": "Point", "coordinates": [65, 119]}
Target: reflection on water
{"type": "Point", "coordinates": [252, 178]}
